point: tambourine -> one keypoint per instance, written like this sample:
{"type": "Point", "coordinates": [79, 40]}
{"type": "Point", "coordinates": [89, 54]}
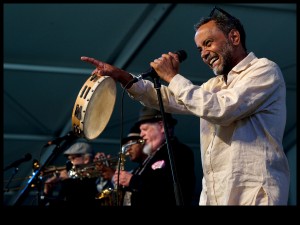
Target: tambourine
{"type": "Point", "coordinates": [94, 106]}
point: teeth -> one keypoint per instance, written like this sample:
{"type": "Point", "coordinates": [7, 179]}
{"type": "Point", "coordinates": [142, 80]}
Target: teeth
{"type": "Point", "coordinates": [213, 60]}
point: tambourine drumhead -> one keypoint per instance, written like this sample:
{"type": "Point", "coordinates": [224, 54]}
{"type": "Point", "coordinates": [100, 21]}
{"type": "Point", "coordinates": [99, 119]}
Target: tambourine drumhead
{"type": "Point", "coordinates": [94, 106]}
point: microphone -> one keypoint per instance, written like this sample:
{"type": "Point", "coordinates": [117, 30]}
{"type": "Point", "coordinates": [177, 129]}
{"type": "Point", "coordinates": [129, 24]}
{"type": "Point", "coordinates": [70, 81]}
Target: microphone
{"type": "Point", "coordinates": [16, 163]}
{"type": "Point", "coordinates": [60, 139]}
{"type": "Point", "coordinates": [182, 55]}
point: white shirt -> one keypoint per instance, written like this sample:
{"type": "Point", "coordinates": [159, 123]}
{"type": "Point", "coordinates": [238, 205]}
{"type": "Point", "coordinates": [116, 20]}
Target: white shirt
{"type": "Point", "coordinates": [241, 129]}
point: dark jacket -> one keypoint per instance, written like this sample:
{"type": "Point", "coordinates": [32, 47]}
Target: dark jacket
{"type": "Point", "coordinates": [152, 184]}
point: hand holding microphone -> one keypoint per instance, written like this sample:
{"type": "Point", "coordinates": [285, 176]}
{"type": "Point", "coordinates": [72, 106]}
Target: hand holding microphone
{"type": "Point", "coordinates": [105, 69]}
{"type": "Point", "coordinates": [164, 64]}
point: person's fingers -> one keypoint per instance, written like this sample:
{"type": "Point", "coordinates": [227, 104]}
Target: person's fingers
{"type": "Point", "coordinates": [91, 60]}
{"type": "Point", "coordinates": [175, 56]}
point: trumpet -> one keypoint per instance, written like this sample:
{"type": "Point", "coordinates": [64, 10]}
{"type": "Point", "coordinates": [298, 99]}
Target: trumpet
{"type": "Point", "coordinates": [54, 169]}
{"type": "Point", "coordinates": [93, 169]}
{"type": "Point", "coordinates": [81, 171]}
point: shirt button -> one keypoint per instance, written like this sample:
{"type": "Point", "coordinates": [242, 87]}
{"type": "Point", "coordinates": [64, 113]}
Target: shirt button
{"type": "Point", "coordinates": [208, 172]}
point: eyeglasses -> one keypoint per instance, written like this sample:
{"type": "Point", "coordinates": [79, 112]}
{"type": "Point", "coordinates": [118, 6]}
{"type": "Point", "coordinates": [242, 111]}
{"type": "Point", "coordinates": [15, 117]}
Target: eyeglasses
{"type": "Point", "coordinates": [127, 145]}
{"type": "Point", "coordinates": [231, 18]}
{"type": "Point", "coordinates": [221, 11]}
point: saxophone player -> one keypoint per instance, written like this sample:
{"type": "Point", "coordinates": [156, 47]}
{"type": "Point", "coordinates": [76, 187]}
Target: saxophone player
{"type": "Point", "coordinates": [134, 145]}
{"type": "Point", "coordinates": [151, 183]}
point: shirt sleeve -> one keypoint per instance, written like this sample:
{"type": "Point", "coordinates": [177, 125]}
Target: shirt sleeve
{"type": "Point", "coordinates": [217, 103]}
{"type": "Point", "coordinates": [144, 92]}
{"type": "Point", "coordinates": [203, 195]}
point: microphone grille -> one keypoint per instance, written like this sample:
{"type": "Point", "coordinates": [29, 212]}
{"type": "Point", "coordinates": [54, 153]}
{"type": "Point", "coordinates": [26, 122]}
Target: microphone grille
{"type": "Point", "coordinates": [28, 156]}
{"type": "Point", "coordinates": [182, 55]}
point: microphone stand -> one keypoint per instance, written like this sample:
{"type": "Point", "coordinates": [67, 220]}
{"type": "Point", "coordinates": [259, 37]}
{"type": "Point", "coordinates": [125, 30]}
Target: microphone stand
{"type": "Point", "coordinates": [56, 151]}
{"type": "Point", "coordinates": [16, 169]}
{"type": "Point", "coordinates": [177, 191]}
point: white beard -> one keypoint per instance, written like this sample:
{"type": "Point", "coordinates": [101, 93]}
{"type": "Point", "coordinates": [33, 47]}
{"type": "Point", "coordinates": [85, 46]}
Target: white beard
{"type": "Point", "coordinates": [147, 149]}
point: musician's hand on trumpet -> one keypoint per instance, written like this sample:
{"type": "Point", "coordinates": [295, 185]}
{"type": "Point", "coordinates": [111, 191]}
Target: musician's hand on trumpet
{"type": "Point", "coordinates": [51, 182]}
{"type": "Point", "coordinates": [104, 165]}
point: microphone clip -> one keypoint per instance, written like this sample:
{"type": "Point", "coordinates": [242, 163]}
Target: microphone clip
{"type": "Point", "coordinates": [58, 140]}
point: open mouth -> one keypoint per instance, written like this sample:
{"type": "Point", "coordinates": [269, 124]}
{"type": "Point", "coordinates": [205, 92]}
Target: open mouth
{"type": "Point", "coordinates": [212, 61]}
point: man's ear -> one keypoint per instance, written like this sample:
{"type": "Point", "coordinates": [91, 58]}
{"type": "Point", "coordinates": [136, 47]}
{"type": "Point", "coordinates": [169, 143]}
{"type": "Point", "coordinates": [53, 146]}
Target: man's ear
{"type": "Point", "coordinates": [161, 124]}
{"type": "Point", "coordinates": [234, 37]}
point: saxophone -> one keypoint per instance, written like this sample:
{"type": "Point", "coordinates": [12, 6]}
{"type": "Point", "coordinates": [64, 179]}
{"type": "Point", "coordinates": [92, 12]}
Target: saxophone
{"type": "Point", "coordinates": [115, 196]}
{"type": "Point", "coordinates": [119, 189]}
{"type": "Point", "coordinates": [110, 196]}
